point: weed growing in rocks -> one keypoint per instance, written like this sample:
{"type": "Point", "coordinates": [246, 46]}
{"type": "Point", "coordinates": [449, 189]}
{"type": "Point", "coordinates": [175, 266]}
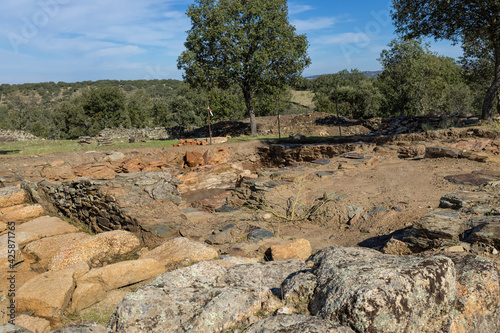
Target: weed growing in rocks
{"type": "Point", "coordinates": [291, 203]}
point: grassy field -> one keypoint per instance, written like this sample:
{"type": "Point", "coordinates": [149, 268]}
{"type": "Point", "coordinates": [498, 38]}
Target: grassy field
{"type": "Point", "coordinates": [49, 146]}
{"type": "Point", "coordinates": [304, 98]}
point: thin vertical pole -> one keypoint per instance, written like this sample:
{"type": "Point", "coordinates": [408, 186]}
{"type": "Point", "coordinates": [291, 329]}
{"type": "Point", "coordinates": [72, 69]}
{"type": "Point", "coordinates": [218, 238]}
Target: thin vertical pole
{"type": "Point", "coordinates": [209, 122]}
{"type": "Point", "coordinates": [278, 112]}
{"type": "Point", "coordinates": [337, 107]}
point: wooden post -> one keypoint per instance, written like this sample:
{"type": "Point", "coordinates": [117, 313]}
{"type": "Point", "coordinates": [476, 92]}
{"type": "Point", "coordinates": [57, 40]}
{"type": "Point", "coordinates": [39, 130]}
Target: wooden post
{"type": "Point", "coordinates": [209, 122]}
{"type": "Point", "coordinates": [278, 112]}
{"type": "Point", "coordinates": [337, 107]}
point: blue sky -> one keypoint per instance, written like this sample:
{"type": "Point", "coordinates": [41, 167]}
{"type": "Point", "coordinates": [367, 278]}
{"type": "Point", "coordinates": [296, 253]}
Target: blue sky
{"type": "Point", "coordinates": [69, 40]}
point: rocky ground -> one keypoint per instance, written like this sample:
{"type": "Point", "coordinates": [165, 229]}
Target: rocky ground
{"type": "Point", "coordinates": [403, 230]}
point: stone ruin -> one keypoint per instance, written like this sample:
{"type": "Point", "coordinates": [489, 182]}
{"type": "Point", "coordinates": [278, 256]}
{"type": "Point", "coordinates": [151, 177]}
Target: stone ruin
{"type": "Point", "coordinates": [11, 136]}
{"type": "Point", "coordinates": [440, 274]}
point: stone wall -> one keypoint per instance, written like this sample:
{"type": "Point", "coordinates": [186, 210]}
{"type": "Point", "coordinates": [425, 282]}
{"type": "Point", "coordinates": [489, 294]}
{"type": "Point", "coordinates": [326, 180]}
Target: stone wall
{"type": "Point", "coordinates": [155, 133]}
{"type": "Point", "coordinates": [126, 202]}
{"type": "Point", "coordinates": [289, 154]}
{"type": "Point", "coordinates": [83, 200]}
{"type": "Point", "coordinates": [10, 136]}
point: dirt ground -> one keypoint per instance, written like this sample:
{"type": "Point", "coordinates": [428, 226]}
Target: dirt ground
{"type": "Point", "coordinates": [392, 192]}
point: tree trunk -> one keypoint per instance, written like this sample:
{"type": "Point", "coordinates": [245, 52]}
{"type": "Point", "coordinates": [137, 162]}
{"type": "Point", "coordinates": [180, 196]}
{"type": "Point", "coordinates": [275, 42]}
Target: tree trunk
{"type": "Point", "coordinates": [493, 89]}
{"type": "Point", "coordinates": [247, 94]}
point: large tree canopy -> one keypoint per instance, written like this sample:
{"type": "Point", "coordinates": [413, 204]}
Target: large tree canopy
{"type": "Point", "coordinates": [460, 21]}
{"type": "Point", "coordinates": [417, 81]}
{"type": "Point", "coordinates": [249, 43]}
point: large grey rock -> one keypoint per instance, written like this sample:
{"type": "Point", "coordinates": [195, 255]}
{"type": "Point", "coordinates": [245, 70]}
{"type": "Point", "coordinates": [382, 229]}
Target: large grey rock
{"type": "Point", "coordinates": [477, 307]}
{"type": "Point", "coordinates": [9, 328]}
{"type": "Point", "coordinates": [296, 323]}
{"type": "Point", "coordinates": [373, 292]}
{"type": "Point", "coordinates": [206, 297]}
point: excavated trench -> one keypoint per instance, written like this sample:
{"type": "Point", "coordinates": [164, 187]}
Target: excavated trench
{"type": "Point", "coordinates": [136, 200]}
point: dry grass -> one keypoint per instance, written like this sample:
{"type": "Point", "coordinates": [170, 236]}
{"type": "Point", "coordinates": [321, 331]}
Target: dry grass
{"type": "Point", "coordinates": [304, 98]}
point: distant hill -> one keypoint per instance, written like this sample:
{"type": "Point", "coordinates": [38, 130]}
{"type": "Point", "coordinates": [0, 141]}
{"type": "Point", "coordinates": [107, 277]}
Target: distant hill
{"type": "Point", "coordinates": [367, 73]}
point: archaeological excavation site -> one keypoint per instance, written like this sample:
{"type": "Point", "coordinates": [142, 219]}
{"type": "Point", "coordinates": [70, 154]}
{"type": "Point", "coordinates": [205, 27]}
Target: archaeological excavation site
{"type": "Point", "coordinates": [373, 226]}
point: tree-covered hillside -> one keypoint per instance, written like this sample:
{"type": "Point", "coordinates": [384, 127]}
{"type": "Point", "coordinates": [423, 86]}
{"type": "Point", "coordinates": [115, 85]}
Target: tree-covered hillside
{"type": "Point", "coordinates": [69, 110]}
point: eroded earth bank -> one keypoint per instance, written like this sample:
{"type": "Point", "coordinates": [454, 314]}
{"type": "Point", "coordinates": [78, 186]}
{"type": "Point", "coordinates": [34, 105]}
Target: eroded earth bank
{"type": "Point", "coordinates": [395, 233]}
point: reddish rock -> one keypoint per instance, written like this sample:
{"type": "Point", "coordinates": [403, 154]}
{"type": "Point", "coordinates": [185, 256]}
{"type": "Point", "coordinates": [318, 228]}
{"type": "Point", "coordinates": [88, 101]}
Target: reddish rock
{"type": "Point", "coordinates": [396, 247]}
{"type": "Point", "coordinates": [297, 249]}
{"type": "Point", "coordinates": [194, 159]}
{"type": "Point", "coordinates": [354, 219]}
{"type": "Point", "coordinates": [95, 170]}
{"type": "Point", "coordinates": [34, 324]}
{"type": "Point", "coordinates": [48, 247]}
{"type": "Point", "coordinates": [58, 172]}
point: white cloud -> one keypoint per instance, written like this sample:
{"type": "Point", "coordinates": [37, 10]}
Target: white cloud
{"type": "Point", "coordinates": [119, 51]}
{"type": "Point", "coordinates": [294, 8]}
{"type": "Point", "coordinates": [344, 38]}
{"type": "Point", "coordinates": [89, 38]}
{"type": "Point", "coordinates": [315, 23]}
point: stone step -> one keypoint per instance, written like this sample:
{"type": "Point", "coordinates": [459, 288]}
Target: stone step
{"type": "Point", "coordinates": [12, 196]}
{"type": "Point", "coordinates": [21, 212]}
{"type": "Point", "coordinates": [33, 230]}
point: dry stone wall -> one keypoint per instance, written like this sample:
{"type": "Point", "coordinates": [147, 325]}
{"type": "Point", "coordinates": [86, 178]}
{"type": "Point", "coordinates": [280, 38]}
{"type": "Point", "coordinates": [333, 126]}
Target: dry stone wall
{"type": "Point", "coordinates": [156, 133]}
{"type": "Point", "coordinates": [83, 200]}
{"type": "Point", "coordinates": [10, 136]}
{"type": "Point", "coordinates": [114, 204]}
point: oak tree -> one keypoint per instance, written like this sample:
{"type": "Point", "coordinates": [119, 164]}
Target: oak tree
{"type": "Point", "coordinates": [248, 43]}
{"type": "Point", "coordinates": [460, 21]}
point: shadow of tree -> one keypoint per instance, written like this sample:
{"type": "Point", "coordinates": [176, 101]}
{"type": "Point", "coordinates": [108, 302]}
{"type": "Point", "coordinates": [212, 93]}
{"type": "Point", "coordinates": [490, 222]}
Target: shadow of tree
{"type": "Point", "coordinates": [7, 152]}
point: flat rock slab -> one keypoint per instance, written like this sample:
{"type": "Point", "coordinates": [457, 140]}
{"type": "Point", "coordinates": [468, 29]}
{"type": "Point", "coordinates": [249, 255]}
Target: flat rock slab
{"type": "Point", "coordinates": [486, 230]}
{"type": "Point", "coordinates": [230, 233]}
{"type": "Point", "coordinates": [466, 199]}
{"type": "Point", "coordinates": [20, 213]}
{"type": "Point", "coordinates": [180, 250]}
{"type": "Point", "coordinates": [41, 227]}
{"type": "Point", "coordinates": [436, 152]}
{"type": "Point", "coordinates": [470, 179]}
{"type": "Point", "coordinates": [48, 247]}
{"type": "Point", "coordinates": [256, 236]}
{"type": "Point", "coordinates": [194, 215]}
{"type": "Point", "coordinates": [11, 196]}
{"type": "Point", "coordinates": [440, 223]}
{"type": "Point", "coordinates": [105, 245]}
{"type": "Point", "coordinates": [123, 273]}
{"type": "Point", "coordinates": [321, 161]}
